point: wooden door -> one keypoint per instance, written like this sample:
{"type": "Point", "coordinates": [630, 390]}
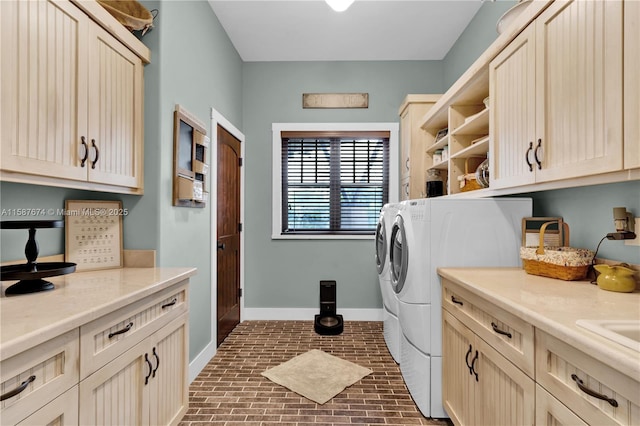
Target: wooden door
{"type": "Point", "coordinates": [115, 112]}
{"type": "Point", "coordinates": [631, 84]}
{"type": "Point", "coordinates": [505, 394]}
{"type": "Point", "coordinates": [169, 379]}
{"type": "Point", "coordinates": [43, 107]}
{"type": "Point", "coordinates": [458, 383]}
{"type": "Point", "coordinates": [578, 89]}
{"type": "Point", "coordinates": [512, 113]}
{"type": "Point", "coordinates": [117, 393]}
{"type": "Point", "coordinates": [228, 234]}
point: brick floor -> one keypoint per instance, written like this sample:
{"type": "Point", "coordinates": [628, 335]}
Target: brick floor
{"type": "Point", "coordinates": [231, 391]}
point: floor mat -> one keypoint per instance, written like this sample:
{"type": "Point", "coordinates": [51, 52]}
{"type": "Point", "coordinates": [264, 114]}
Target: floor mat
{"type": "Point", "coordinates": [316, 375]}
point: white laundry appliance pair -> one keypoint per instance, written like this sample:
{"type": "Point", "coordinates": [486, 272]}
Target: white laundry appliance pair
{"type": "Point", "coordinates": [391, 325]}
{"type": "Point", "coordinates": [443, 232]}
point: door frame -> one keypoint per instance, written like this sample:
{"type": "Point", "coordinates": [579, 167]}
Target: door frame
{"type": "Point", "coordinates": [218, 119]}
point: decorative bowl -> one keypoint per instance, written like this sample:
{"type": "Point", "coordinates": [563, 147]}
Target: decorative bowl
{"type": "Point", "coordinates": [510, 15]}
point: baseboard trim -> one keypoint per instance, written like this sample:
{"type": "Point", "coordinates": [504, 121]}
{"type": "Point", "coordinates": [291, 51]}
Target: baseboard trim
{"type": "Point", "coordinates": [301, 314]}
{"type": "Point", "coordinates": [201, 360]}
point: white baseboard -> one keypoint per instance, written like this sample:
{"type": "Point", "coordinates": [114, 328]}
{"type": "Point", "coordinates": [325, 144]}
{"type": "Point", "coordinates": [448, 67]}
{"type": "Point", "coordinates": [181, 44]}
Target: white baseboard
{"type": "Point", "coordinates": [301, 314]}
{"type": "Point", "coordinates": [201, 361]}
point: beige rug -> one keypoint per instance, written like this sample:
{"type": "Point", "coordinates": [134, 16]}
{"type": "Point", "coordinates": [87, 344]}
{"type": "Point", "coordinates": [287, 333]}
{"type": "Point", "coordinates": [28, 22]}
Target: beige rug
{"type": "Point", "coordinates": [316, 375]}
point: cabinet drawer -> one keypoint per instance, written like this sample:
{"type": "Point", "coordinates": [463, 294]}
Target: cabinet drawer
{"type": "Point", "coordinates": [559, 365]}
{"type": "Point", "coordinates": [551, 412]}
{"type": "Point", "coordinates": [46, 371]}
{"type": "Point", "coordinates": [104, 339]}
{"type": "Point", "coordinates": [62, 411]}
{"type": "Point", "coordinates": [508, 334]}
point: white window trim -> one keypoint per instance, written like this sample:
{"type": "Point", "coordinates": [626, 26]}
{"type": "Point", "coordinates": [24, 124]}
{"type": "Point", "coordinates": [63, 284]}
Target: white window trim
{"type": "Point", "coordinates": [276, 201]}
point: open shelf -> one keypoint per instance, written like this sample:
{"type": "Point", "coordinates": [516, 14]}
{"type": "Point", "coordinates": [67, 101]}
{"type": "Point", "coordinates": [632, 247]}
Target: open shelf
{"type": "Point", "coordinates": [478, 149]}
{"type": "Point", "coordinates": [477, 124]}
{"type": "Point", "coordinates": [438, 145]}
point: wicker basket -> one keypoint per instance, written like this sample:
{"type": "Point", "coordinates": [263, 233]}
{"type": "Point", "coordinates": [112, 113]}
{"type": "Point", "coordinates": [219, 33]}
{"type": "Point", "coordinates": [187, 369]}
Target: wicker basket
{"type": "Point", "coordinates": [130, 13]}
{"type": "Point", "coordinates": [468, 180]}
{"type": "Point", "coordinates": [561, 262]}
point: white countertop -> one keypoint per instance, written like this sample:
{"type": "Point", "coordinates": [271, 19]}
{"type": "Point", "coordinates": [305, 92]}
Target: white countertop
{"type": "Point", "coordinates": [554, 306]}
{"type": "Point", "coordinates": [31, 319]}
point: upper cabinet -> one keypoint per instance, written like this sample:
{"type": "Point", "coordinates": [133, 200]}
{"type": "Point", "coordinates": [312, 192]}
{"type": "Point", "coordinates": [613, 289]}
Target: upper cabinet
{"type": "Point", "coordinates": [72, 98]}
{"type": "Point", "coordinates": [413, 142]}
{"type": "Point", "coordinates": [631, 84]}
{"type": "Point", "coordinates": [557, 96]}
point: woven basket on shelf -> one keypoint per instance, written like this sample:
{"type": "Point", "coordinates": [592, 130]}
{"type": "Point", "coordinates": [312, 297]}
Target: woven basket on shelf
{"type": "Point", "coordinates": [561, 262]}
{"type": "Point", "coordinates": [130, 13]}
{"type": "Point", "coordinates": [468, 180]}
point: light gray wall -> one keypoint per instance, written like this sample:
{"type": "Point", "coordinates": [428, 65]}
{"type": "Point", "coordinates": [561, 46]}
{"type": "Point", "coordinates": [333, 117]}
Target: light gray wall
{"type": "Point", "coordinates": [287, 273]}
{"type": "Point", "coordinates": [478, 35]}
{"type": "Point", "coordinates": [196, 66]}
{"type": "Point", "coordinates": [589, 212]}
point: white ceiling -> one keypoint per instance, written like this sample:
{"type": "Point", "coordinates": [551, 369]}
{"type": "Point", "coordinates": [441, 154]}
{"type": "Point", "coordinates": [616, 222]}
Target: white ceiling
{"type": "Point", "coordinates": [309, 30]}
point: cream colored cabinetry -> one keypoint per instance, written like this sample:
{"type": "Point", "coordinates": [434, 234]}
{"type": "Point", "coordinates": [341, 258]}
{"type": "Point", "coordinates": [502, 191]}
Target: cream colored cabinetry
{"type": "Point", "coordinates": [585, 386]}
{"type": "Point", "coordinates": [466, 121]}
{"type": "Point", "coordinates": [413, 141]}
{"type": "Point", "coordinates": [34, 378]}
{"type": "Point", "coordinates": [631, 84]}
{"type": "Point", "coordinates": [72, 100]}
{"type": "Point", "coordinates": [133, 363]}
{"type": "Point", "coordinates": [144, 386]}
{"type": "Point", "coordinates": [556, 96]}
{"type": "Point", "coordinates": [486, 352]}
{"type": "Point", "coordinates": [551, 412]}
{"type": "Point", "coordinates": [128, 366]}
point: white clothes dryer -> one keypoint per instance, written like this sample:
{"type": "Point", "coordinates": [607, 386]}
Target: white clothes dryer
{"type": "Point", "coordinates": [443, 232]}
{"type": "Point", "coordinates": [391, 324]}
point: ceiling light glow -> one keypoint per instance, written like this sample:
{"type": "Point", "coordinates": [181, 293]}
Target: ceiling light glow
{"type": "Point", "coordinates": [339, 5]}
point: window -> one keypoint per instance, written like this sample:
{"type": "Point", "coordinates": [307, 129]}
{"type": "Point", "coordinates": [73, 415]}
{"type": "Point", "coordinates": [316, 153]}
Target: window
{"type": "Point", "coordinates": [332, 182]}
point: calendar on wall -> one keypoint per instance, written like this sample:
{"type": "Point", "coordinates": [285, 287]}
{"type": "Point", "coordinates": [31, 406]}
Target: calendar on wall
{"type": "Point", "coordinates": [94, 234]}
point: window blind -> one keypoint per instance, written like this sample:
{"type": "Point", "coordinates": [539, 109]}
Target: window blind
{"type": "Point", "coordinates": [333, 185]}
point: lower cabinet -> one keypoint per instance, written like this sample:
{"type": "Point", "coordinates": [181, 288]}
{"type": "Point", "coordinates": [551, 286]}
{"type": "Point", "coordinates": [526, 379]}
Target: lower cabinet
{"type": "Point", "coordinates": [146, 385]}
{"type": "Point", "coordinates": [480, 386]}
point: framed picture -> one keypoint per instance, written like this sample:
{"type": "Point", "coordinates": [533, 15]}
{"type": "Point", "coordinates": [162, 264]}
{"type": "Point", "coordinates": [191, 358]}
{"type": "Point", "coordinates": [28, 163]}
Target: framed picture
{"type": "Point", "coordinates": [93, 231]}
{"type": "Point", "coordinates": [441, 134]}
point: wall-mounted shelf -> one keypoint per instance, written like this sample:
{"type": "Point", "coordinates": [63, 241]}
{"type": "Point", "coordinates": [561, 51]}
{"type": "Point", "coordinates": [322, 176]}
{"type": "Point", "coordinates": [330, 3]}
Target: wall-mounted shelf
{"type": "Point", "coordinates": [190, 166]}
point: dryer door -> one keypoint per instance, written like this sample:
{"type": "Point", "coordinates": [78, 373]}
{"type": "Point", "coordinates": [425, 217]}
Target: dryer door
{"type": "Point", "coordinates": [381, 246]}
{"type": "Point", "coordinates": [398, 255]}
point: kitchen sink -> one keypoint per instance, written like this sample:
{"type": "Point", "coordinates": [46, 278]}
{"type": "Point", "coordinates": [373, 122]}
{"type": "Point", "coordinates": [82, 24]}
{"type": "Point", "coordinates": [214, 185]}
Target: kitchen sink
{"type": "Point", "coordinates": [624, 332]}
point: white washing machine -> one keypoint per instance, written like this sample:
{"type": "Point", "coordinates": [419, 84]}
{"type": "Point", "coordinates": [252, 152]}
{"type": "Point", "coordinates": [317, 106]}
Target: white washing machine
{"type": "Point", "coordinates": [391, 324]}
{"type": "Point", "coordinates": [443, 232]}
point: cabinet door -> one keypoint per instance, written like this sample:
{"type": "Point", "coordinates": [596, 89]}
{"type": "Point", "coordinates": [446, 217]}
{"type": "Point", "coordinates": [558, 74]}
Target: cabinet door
{"type": "Point", "coordinates": [43, 107]}
{"type": "Point", "coordinates": [578, 89]}
{"type": "Point", "coordinates": [458, 383]}
{"type": "Point", "coordinates": [512, 113]}
{"type": "Point", "coordinates": [117, 394]}
{"type": "Point", "coordinates": [405, 143]}
{"type": "Point", "coordinates": [115, 112]}
{"type": "Point", "coordinates": [170, 390]}
{"type": "Point", "coordinates": [506, 396]}
{"type": "Point", "coordinates": [631, 84]}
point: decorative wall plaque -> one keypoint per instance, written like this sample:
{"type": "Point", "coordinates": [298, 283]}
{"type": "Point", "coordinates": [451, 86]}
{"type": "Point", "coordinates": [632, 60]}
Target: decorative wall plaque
{"type": "Point", "coordinates": [335, 100]}
{"type": "Point", "coordinates": [94, 234]}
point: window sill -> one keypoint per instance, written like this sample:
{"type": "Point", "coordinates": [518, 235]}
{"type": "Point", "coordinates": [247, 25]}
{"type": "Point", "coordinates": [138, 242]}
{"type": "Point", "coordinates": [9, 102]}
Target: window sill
{"type": "Point", "coordinates": [322, 237]}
